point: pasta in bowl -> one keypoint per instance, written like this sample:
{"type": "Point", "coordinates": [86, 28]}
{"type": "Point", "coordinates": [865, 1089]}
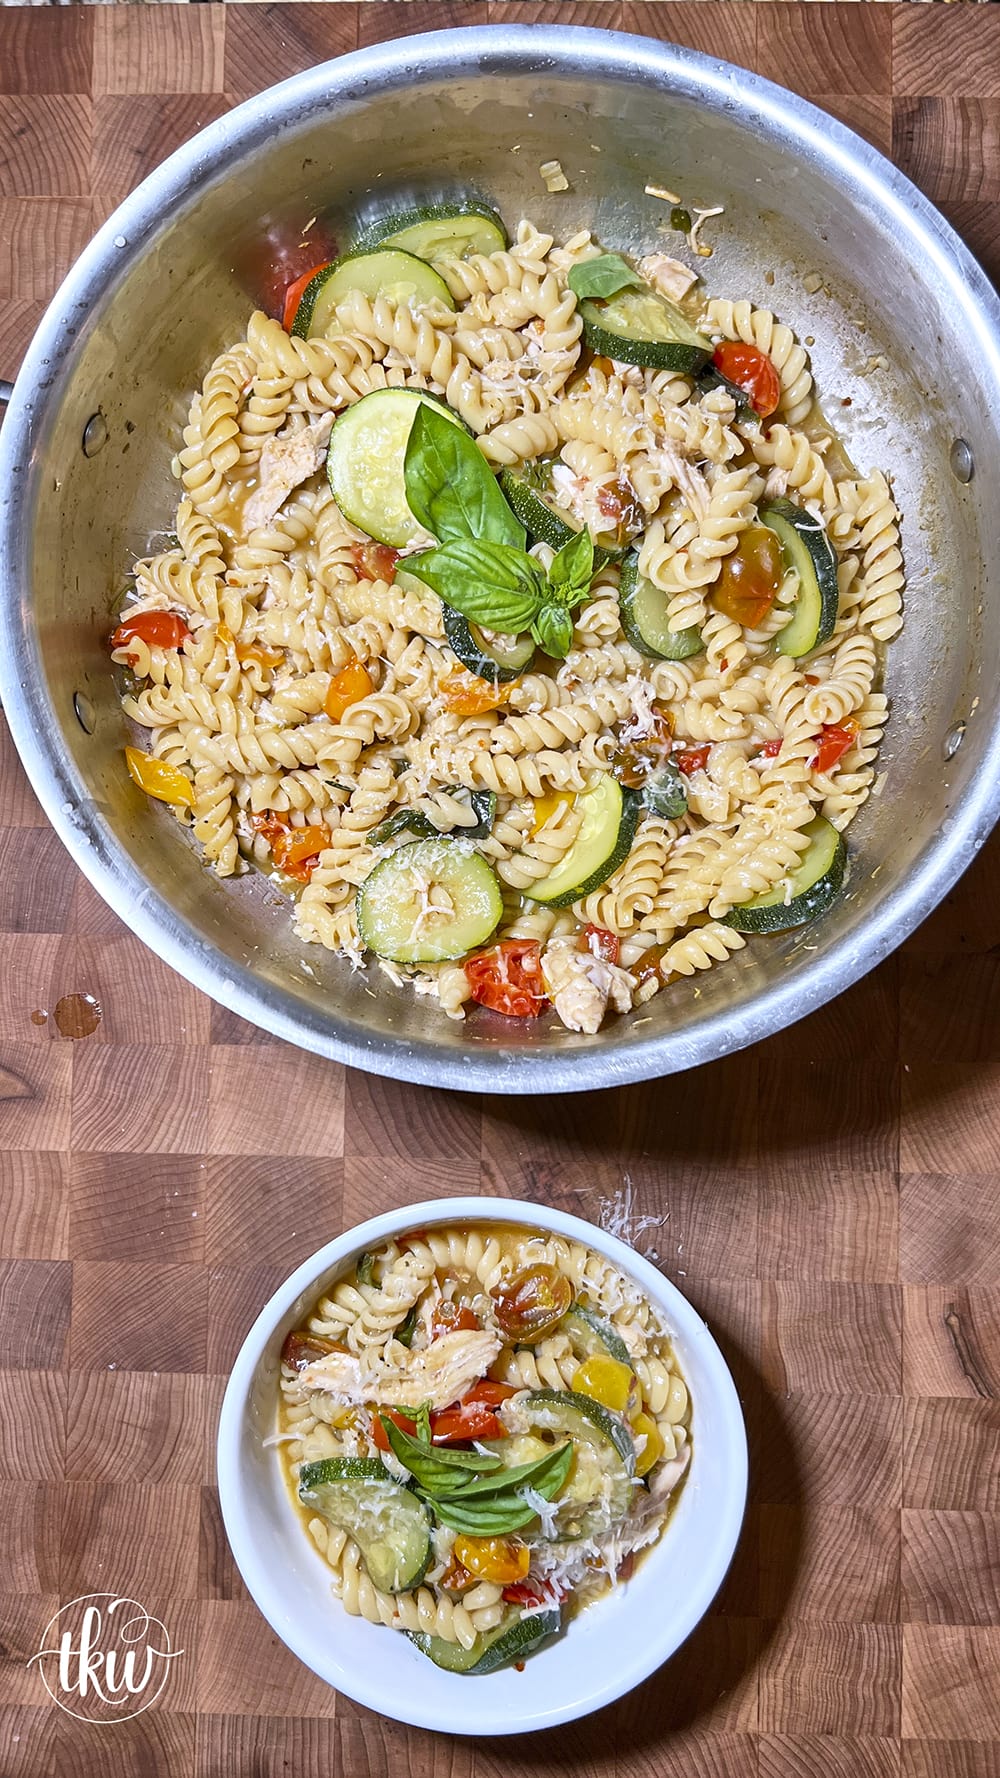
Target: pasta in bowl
{"type": "Point", "coordinates": [525, 621]}
{"type": "Point", "coordinates": [498, 1430]}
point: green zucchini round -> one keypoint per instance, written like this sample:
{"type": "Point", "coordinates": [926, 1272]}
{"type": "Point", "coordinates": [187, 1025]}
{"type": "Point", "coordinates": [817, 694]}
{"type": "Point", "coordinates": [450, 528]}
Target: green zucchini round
{"type": "Point", "coordinates": [388, 902]}
{"type": "Point", "coordinates": [495, 661]}
{"type": "Point", "coordinates": [365, 463]}
{"type": "Point", "coordinates": [402, 277]}
{"type": "Point", "coordinates": [390, 1526]}
{"type": "Point", "coordinates": [610, 818]}
{"type": "Point", "coordinates": [643, 610]}
{"type": "Point", "coordinates": [512, 1640]}
{"type": "Point", "coordinates": [815, 884]}
{"type": "Point", "coordinates": [436, 231]}
{"type": "Point", "coordinates": [642, 327]}
{"type": "Point", "coordinates": [805, 548]}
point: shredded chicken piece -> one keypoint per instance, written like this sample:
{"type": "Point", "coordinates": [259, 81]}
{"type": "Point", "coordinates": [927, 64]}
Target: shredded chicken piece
{"type": "Point", "coordinates": [581, 985]}
{"type": "Point", "coordinates": [671, 277]}
{"type": "Point", "coordinates": [400, 1378]}
{"type": "Point", "coordinates": [674, 466]}
{"type": "Point", "coordinates": [287, 460]}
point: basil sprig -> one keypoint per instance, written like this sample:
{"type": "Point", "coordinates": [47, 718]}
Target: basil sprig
{"type": "Point", "coordinates": [471, 1491]}
{"type": "Point", "coordinates": [480, 566]}
{"type": "Point", "coordinates": [603, 277]}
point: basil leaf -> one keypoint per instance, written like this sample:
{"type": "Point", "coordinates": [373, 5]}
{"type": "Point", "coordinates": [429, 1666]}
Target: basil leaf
{"type": "Point", "coordinates": [450, 488]}
{"type": "Point", "coordinates": [492, 1519]}
{"type": "Point", "coordinates": [403, 821]}
{"type": "Point", "coordinates": [603, 276]}
{"type": "Point", "coordinates": [553, 631]}
{"type": "Point", "coordinates": [492, 584]}
{"type": "Point", "coordinates": [405, 1333]}
{"type": "Point", "coordinates": [572, 567]}
{"type": "Point", "coordinates": [665, 792]}
{"type": "Point", "coordinates": [484, 807]}
{"type": "Point", "coordinates": [433, 1468]}
{"type": "Point", "coordinates": [546, 1474]}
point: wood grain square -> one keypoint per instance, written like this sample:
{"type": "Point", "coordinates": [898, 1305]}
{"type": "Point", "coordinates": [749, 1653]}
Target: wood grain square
{"type": "Point", "coordinates": [950, 1759]}
{"type": "Point", "coordinates": [226, 1026]}
{"type": "Point", "coordinates": [797, 1756]}
{"type": "Point", "coordinates": [134, 1099]}
{"type": "Point", "coordinates": [706, 1221]}
{"type": "Point", "coordinates": [148, 1317]}
{"type": "Point", "coordinates": [268, 43]}
{"type": "Point", "coordinates": [829, 1034]}
{"type": "Point", "coordinates": [951, 1456]}
{"type": "Point", "coordinates": [138, 1540]}
{"type": "Point", "coordinates": [36, 889]}
{"type": "Point", "coordinates": [275, 1100]}
{"type": "Point", "coordinates": [39, 240]}
{"type": "Point", "coordinates": [949, 1123]}
{"type": "Point", "coordinates": [928, 58]}
{"type": "Point", "coordinates": [35, 1204]}
{"type": "Point", "coordinates": [24, 1617]}
{"type": "Point", "coordinates": [28, 1736]}
{"type": "Point", "coordinates": [949, 147]}
{"type": "Point", "coordinates": [715, 28]}
{"type": "Point", "coordinates": [836, 1451]}
{"type": "Point", "coordinates": [156, 1744]}
{"type": "Point", "coordinates": [950, 1689]}
{"type": "Point", "coordinates": [244, 1670]}
{"type": "Point", "coordinates": [832, 1119]}
{"type": "Point", "coordinates": [134, 133]}
{"type": "Point", "coordinates": [731, 1307]}
{"type": "Point", "coordinates": [236, 1296]}
{"type": "Point", "coordinates": [739, 1595]}
{"type": "Point", "coordinates": [218, 1575]}
{"type": "Point", "coordinates": [374, 1186]}
{"type": "Point", "coordinates": [381, 20]}
{"type": "Point", "coordinates": [595, 14]}
{"type": "Point", "coordinates": [18, 321]}
{"type": "Point", "coordinates": [825, 49]}
{"type": "Point", "coordinates": [824, 1563]}
{"type": "Point", "coordinates": [844, 1338]}
{"type": "Point", "coordinates": [710, 1684]}
{"type": "Point", "coordinates": [949, 1228]}
{"type": "Point", "coordinates": [831, 1679]}
{"type": "Point", "coordinates": [47, 52]}
{"type": "Point", "coordinates": [267, 1747]}
{"type": "Point", "coordinates": [44, 145]}
{"type": "Point", "coordinates": [842, 1228]}
{"type": "Point", "coordinates": [126, 1210]}
{"type": "Point", "coordinates": [520, 1135]}
{"type": "Point", "coordinates": [260, 1210]}
{"type": "Point", "coordinates": [394, 1120]}
{"type": "Point", "coordinates": [870, 114]}
{"type": "Point", "coordinates": [949, 1008]}
{"type": "Point", "coordinates": [91, 915]}
{"type": "Point", "coordinates": [707, 1117]}
{"type": "Point", "coordinates": [127, 1426]}
{"type": "Point", "coordinates": [35, 1297]}
{"type": "Point", "coordinates": [968, 919]}
{"type": "Point", "coordinates": [30, 971]}
{"type": "Point", "coordinates": [142, 1001]}
{"type": "Point", "coordinates": [160, 51]}
{"type": "Point", "coordinates": [951, 1340]}
{"type": "Point", "coordinates": [690, 1753]}
{"type": "Point", "coordinates": [950, 1568]}
{"type": "Point", "coordinates": [33, 1426]}
{"type": "Point", "coordinates": [371, 1743]}
{"type": "Point", "coordinates": [35, 1096]}
{"type": "Point", "coordinates": [31, 1517]}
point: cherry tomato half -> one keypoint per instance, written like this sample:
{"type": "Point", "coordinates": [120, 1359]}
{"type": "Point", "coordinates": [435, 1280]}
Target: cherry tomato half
{"type": "Point", "coordinates": [375, 561]}
{"type": "Point", "coordinates": [295, 293]}
{"type": "Point", "coordinates": [693, 759]}
{"type": "Point", "coordinates": [347, 687]}
{"type": "Point", "coordinates": [600, 943]}
{"type": "Point", "coordinates": [772, 748]}
{"type": "Point", "coordinates": [159, 629]}
{"type": "Point", "coordinates": [532, 1302]}
{"type": "Point", "coordinates": [295, 850]}
{"type": "Point", "coordinates": [834, 741]}
{"type": "Point", "coordinates": [752, 371]}
{"type": "Point", "coordinates": [465, 695]}
{"type": "Point", "coordinates": [502, 1560]}
{"type": "Point", "coordinates": [750, 577]}
{"type": "Point", "coordinates": [464, 1422]}
{"type": "Point", "coordinates": [301, 1348]}
{"type": "Point", "coordinates": [452, 1318]}
{"type": "Point", "coordinates": [641, 759]}
{"type": "Point", "coordinates": [508, 978]}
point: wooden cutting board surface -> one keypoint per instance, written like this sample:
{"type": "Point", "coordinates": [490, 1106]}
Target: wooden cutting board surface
{"type": "Point", "coordinates": [831, 1194]}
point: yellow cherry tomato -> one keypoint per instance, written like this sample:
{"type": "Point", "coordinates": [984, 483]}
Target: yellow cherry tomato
{"type": "Point", "coordinates": [503, 1560]}
{"type": "Point", "coordinates": [546, 807]}
{"type": "Point", "coordinates": [347, 687]}
{"type": "Point", "coordinates": [606, 1380]}
{"type": "Point", "coordinates": [643, 1426]}
{"type": "Point", "coordinates": [167, 783]}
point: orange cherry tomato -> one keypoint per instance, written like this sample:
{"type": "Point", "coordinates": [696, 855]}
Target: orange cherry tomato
{"type": "Point", "coordinates": [531, 1303]}
{"type": "Point", "coordinates": [693, 759]}
{"type": "Point", "coordinates": [301, 1348]}
{"type": "Point", "coordinates": [295, 293]}
{"type": "Point", "coordinates": [158, 629]}
{"type": "Point", "coordinates": [546, 806]}
{"type": "Point", "coordinates": [502, 1560]}
{"type": "Point", "coordinates": [647, 968]}
{"type": "Point", "coordinates": [168, 784]}
{"type": "Point", "coordinates": [752, 371]}
{"type": "Point", "coordinates": [600, 943]}
{"type": "Point", "coordinates": [375, 561]}
{"type": "Point", "coordinates": [347, 687]}
{"type": "Point", "coordinates": [297, 851]}
{"type": "Point", "coordinates": [750, 577]}
{"type": "Point", "coordinates": [508, 978]}
{"type": "Point", "coordinates": [256, 651]}
{"type": "Point", "coordinates": [835, 740]}
{"type": "Point", "coordinates": [465, 695]}
{"type": "Point", "coordinates": [456, 1578]}
{"type": "Point", "coordinates": [452, 1318]}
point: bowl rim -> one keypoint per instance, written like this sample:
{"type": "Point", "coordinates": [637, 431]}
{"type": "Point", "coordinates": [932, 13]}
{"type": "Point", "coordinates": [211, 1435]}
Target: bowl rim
{"type": "Point", "coordinates": [34, 723]}
{"type": "Point", "coordinates": [631, 1669]}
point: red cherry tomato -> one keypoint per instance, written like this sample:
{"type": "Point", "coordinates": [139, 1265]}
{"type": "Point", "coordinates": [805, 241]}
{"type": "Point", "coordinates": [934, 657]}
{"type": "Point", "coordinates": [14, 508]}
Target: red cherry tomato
{"type": "Point", "coordinates": [752, 371]}
{"type": "Point", "coordinates": [452, 1318]}
{"type": "Point", "coordinates": [379, 1436]}
{"type": "Point", "coordinates": [750, 577]}
{"type": "Point", "coordinates": [296, 291]}
{"type": "Point", "coordinates": [534, 1592]}
{"type": "Point", "coordinates": [375, 561]}
{"type": "Point", "coordinates": [301, 1349]}
{"type": "Point", "coordinates": [834, 741]}
{"type": "Point", "coordinates": [295, 850]}
{"type": "Point", "coordinates": [600, 943]}
{"type": "Point", "coordinates": [508, 978]}
{"type": "Point", "coordinates": [693, 759]}
{"type": "Point", "coordinates": [160, 629]}
{"type": "Point", "coordinates": [772, 748]}
{"type": "Point", "coordinates": [532, 1302]}
{"type": "Point", "coordinates": [469, 1420]}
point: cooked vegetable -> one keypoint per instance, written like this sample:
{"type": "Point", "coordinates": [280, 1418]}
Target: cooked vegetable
{"type": "Point", "coordinates": [531, 1303]}
{"type": "Point", "coordinates": [428, 901]}
{"type": "Point", "coordinates": [835, 739]}
{"type": "Point", "coordinates": [752, 371]}
{"type": "Point", "coordinates": [437, 231]}
{"type": "Point", "coordinates": [400, 277]}
{"type": "Point", "coordinates": [502, 1560]}
{"type": "Point", "coordinates": [605, 838]}
{"type": "Point", "coordinates": [648, 1441]}
{"type": "Point", "coordinates": [347, 687]}
{"type": "Point", "coordinates": [590, 1337]}
{"type": "Point", "coordinates": [296, 291]}
{"type": "Point", "coordinates": [599, 1489]}
{"type": "Point", "coordinates": [390, 1526]}
{"type": "Point", "coordinates": [810, 889]}
{"type": "Point", "coordinates": [750, 577]}
{"type": "Point", "coordinates": [692, 759]}
{"type": "Point", "coordinates": [508, 978]}
{"type": "Point", "coordinates": [158, 629]}
{"type": "Point", "coordinates": [166, 783]}
{"type": "Point", "coordinates": [450, 488]}
{"type": "Point", "coordinates": [606, 1380]}
{"type": "Point", "coordinates": [538, 512]}
{"type": "Point", "coordinates": [496, 660]}
{"type": "Point", "coordinates": [643, 327]}
{"type": "Point", "coordinates": [597, 941]}
{"type": "Point", "coordinates": [302, 1348]}
{"type": "Point", "coordinates": [643, 610]}
{"type": "Point", "coordinates": [513, 1640]}
{"type": "Point", "coordinates": [805, 548]}
{"type": "Point", "coordinates": [365, 462]}
{"type": "Point", "coordinates": [375, 561]}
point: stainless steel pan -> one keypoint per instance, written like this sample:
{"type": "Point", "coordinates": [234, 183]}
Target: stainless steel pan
{"type": "Point", "coordinates": [905, 326]}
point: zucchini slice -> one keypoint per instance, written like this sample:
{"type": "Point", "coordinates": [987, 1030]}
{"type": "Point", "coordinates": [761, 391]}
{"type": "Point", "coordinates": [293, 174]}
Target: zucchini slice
{"type": "Point", "coordinates": [390, 1526]}
{"type": "Point", "coordinates": [393, 902]}
{"type": "Point", "coordinates": [610, 816]}
{"type": "Point", "coordinates": [437, 231]}
{"type": "Point", "coordinates": [806, 548]}
{"type": "Point", "coordinates": [364, 463]}
{"type": "Point", "coordinates": [590, 1337]}
{"type": "Point", "coordinates": [599, 1490]}
{"type": "Point", "coordinates": [498, 660]}
{"type": "Point", "coordinates": [643, 327]}
{"type": "Point", "coordinates": [815, 883]}
{"type": "Point", "coordinates": [401, 277]}
{"type": "Point", "coordinates": [538, 513]}
{"type": "Point", "coordinates": [512, 1640]}
{"type": "Point", "coordinates": [644, 617]}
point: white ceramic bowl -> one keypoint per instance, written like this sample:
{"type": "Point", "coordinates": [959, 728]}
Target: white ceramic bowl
{"type": "Point", "coordinates": [605, 1651]}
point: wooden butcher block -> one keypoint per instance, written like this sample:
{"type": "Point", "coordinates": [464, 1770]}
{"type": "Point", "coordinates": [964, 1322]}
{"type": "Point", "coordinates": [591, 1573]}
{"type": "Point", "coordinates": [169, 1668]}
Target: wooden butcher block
{"type": "Point", "coordinates": [831, 1195]}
